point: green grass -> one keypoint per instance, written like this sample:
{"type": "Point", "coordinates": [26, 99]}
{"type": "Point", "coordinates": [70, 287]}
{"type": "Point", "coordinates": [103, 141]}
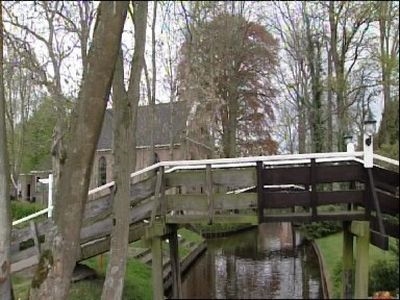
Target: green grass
{"type": "Point", "coordinates": [137, 276]}
{"type": "Point", "coordinates": [331, 250]}
{"type": "Point", "coordinates": [20, 209]}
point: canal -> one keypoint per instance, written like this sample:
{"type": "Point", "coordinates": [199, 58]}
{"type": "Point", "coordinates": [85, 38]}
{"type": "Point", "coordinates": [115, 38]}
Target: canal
{"type": "Point", "coordinates": [260, 263]}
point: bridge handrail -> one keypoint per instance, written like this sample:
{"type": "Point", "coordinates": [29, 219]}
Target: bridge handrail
{"type": "Point", "coordinates": [386, 159]}
{"type": "Point", "coordinates": [32, 216]}
{"type": "Point", "coordinates": [225, 163]}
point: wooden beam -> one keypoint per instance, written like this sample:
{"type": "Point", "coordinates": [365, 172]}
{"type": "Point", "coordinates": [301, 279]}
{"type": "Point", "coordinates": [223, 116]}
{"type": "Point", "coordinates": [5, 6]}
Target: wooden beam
{"type": "Point", "coordinates": [362, 259]}
{"type": "Point", "coordinates": [392, 228]}
{"type": "Point", "coordinates": [231, 178]}
{"type": "Point", "coordinates": [157, 268]}
{"type": "Point", "coordinates": [175, 262]}
{"type": "Point", "coordinates": [234, 218]}
{"type": "Point", "coordinates": [156, 201]}
{"type": "Point", "coordinates": [321, 216]}
{"type": "Point", "coordinates": [35, 237]}
{"type": "Point", "coordinates": [199, 202]}
{"type": "Point", "coordinates": [389, 203]}
{"type": "Point", "coordinates": [375, 202]}
{"type": "Point", "coordinates": [260, 190]}
{"type": "Point", "coordinates": [301, 175]}
{"type": "Point", "coordinates": [347, 260]}
{"type": "Point", "coordinates": [210, 193]}
{"type": "Point", "coordinates": [314, 196]}
{"type": "Point", "coordinates": [302, 198]}
{"type": "Point", "coordinates": [379, 240]}
{"type": "Point", "coordinates": [386, 180]}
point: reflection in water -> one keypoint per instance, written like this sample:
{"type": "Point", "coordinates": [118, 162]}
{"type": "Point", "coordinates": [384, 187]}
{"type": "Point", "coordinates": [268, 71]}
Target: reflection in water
{"type": "Point", "coordinates": [260, 263]}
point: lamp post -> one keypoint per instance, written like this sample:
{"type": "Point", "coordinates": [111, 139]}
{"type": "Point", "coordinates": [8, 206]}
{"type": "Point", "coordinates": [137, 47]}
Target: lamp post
{"type": "Point", "coordinates": [369, 130]}
{"type": "Point", "coordinates": [348, 140]}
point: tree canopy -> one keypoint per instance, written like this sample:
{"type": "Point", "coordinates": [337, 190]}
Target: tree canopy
{"type": "Point", "coordinates": [226, 73]}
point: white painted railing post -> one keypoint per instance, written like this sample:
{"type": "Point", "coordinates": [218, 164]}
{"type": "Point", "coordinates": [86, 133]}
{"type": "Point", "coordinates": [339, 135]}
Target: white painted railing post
{"type": "Point", "coordinates": [50, 197]}
{"type": "Point", "coordinates": [368, 151]}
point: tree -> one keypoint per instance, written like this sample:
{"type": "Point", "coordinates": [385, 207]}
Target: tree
{"type": "Point", "coordinates": [53, 274]}
{"type": "Point", "coordinates": [47, 37]}
{"type": "Point", "coordinates": [226, 74]}
{"type": "Point", "coordinates": [5, 210]}
{"type": "Point", "coordinates": [124, 157]}
{"type": "Point", "coordinates": [388, 19]}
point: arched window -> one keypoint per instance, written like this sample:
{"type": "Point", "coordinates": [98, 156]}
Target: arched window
{"type": "Point", "coordinates": [102, 171]}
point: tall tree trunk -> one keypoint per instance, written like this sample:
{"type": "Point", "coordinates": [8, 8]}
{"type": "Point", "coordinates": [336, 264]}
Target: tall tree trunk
{"type": "Point", "coordinates": [123, 160]}
{"type": "Point", "coordinates": [329, 142]}
{"type": "Point", "coordinates": [53, 274]}
{"type": "Point", "coordinates": [5, 210]}
{"type": "Point", "coordinates": [153, 79]}
{"type": "Point", "coordinates": [136, 67]}
{"type": "Point", "coordinates": [389, 44]}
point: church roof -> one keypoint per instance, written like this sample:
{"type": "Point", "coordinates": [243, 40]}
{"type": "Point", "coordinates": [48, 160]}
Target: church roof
{"type": "Point", "coordinates": [162, 124]}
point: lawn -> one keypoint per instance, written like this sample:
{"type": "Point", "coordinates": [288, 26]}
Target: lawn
{"type": "Point", "coordinates": [137, 276]}
{"type": "Point", "coordinates": [331, 250]}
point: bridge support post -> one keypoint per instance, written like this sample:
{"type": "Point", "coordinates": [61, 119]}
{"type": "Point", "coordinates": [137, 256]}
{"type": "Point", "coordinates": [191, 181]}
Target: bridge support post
{"type": "Point", "coordinates": [157, 268]}
{"type": "Point", "coordinates": [175, 263]}
{"type": "Point", "coordinates": [361, 230]}
{"type": "Point", "coordinates": [347, 274]}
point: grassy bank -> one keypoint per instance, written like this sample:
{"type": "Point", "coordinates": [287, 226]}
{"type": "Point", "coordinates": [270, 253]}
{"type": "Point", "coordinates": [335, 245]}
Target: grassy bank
{"type": "Point", "coordinates": [137, 275]}
{"type": "Point", "coordinates": [331, 250]}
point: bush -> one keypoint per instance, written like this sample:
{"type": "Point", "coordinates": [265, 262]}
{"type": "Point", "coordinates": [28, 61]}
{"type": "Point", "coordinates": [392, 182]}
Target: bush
{"type": "Point", "coordinates": [384, 276]}
{"type": "Point", "coordinates": [318, 230]}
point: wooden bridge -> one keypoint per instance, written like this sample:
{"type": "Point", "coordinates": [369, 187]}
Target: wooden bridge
{"type": "Point", "coordinates": [251, 190]}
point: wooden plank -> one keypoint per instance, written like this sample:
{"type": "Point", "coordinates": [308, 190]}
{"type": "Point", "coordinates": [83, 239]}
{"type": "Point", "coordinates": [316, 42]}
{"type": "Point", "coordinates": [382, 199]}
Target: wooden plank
{"type": "Point", "coordinates": [379, 240]}
{"type": "Point", "coordinates": [22, 255]}
{"type": "Point", "coordinates": [385, 179]}
{"type": "Point", "coordinates": [285, 175]}
{"type": "Point", "coordinates": [235, 218]}
{"type": "Point", "coordinates": [102, 245]}
{"type": "Point", "coordinates": [306, 217]}
{"type": "Point", "coordinates": [231, 178]}
{"type": "Point", "coordinates": [101, 208]}
{"type": "Point", "coordinates": [302, 198]}
{"type": "Point", "coordinates": [324, 174]}
{"type": "Point", "coordinates": [392, 229]}
{"type": "Point", "coordinates": [389, 203]}
{"type": "Point", "coordinates": [103, 227]}
{"type": "Point", "coordinates": [198, 202]}
{"type": "Point", "coordinates": [340, 173]}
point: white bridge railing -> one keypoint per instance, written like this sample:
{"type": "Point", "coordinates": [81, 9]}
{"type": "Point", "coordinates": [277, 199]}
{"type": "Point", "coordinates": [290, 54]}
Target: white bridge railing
{"type": "Point", "coordinates": [284, 159]}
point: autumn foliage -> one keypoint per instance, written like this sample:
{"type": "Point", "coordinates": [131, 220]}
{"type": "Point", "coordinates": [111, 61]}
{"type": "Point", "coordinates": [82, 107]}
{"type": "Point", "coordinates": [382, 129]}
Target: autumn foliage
{"type": "Point", "coordinates": [226, 71]}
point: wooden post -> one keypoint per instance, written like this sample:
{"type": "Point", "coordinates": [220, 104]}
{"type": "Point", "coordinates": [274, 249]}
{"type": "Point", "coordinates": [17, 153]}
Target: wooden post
{"type": "Point", "coordinates": [157, 198]}
{"type": "Point", "coordinates": [260, 189]}
{"type": "Point", "coordinates": [35, 237]}
{"type": "Point", "coordinates": [347, 274]}
{"type": "Point", "coordinates": [175, 263]}
{"type": "Point", "coordinates": [361, 230]}
{"type": "Point", "coordinates": [210, 194]}
{"type": "Point", "coordinates": [314, 194]}
{"type": "Point", "coordinates": [157, 268]}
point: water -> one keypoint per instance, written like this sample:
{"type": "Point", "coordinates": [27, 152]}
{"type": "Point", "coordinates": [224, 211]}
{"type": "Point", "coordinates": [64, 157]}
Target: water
{"type": "Point", "coordinates": [257, 264]}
